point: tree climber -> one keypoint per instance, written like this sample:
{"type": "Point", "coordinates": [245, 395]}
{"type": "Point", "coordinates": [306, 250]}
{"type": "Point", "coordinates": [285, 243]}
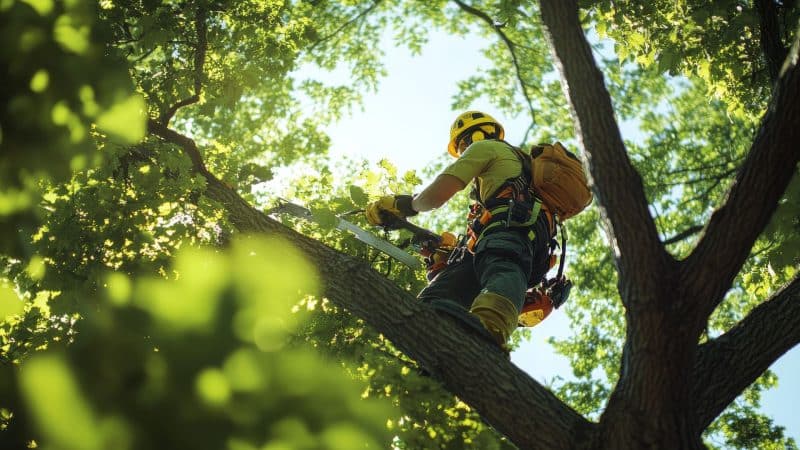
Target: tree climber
{"type": "Point", "coordinates": [510, 231]}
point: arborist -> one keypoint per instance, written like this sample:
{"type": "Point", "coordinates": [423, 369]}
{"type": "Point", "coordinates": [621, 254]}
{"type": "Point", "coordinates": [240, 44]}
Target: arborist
{"type": "Point", "coordinates": [510, 232]}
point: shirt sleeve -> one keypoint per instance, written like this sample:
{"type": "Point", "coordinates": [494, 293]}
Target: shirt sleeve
{"type": "Point", "coordinates": [474, 161]}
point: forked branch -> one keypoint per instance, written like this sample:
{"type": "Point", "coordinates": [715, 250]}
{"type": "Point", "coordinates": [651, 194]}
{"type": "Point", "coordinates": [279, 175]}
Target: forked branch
{"type": "Point", "coordinates": [753, 196]}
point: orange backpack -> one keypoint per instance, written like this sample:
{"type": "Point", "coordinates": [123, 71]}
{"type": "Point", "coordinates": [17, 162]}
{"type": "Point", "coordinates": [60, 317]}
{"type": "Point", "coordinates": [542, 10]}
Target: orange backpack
{"type": "Point", "coordinates": [558, 178]}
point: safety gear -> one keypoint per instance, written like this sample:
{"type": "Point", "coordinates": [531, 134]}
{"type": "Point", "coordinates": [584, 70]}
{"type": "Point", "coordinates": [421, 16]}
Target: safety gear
{"type": "Point", "coordinates": [540, 301]}
{"type": "Point", "coordinates": [472, 126]}
{"type": "Point", "coordinates": [510, 208]}
{"type": "Point", "coordinates": [437, 253]}
{"type": "Point", "coordinates": [389, 207]}
{"type": "Point", "coordinates": [498, 314]}
{"type": "Point", "coordinates": [536, 308]}
{"type": "Point", "coordinates": [558, 178]}
{"type": "Point", "coordinates": [552, 181]}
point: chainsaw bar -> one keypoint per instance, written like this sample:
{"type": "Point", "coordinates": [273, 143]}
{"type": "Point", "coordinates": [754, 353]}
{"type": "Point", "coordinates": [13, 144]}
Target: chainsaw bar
{"type": "Point", "coordinates": [361, 234]}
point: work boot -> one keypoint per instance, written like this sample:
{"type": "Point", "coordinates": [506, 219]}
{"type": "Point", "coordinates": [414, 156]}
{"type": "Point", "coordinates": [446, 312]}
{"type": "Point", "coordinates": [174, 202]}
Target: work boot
{"type": "Point", "coordinates": [497, 314]}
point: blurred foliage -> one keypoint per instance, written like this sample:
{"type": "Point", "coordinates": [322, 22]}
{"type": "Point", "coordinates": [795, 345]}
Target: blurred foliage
{"type": "Point", "coordinates": [197, 360]}
{"type": "Point", "coordinates": [62, 87]}
{"type": "Point", "coordinates": [119, 315]}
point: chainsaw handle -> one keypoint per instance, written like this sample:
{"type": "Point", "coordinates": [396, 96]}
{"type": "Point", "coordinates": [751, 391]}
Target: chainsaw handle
{"type": "Point", "coordinates": [392, 222]}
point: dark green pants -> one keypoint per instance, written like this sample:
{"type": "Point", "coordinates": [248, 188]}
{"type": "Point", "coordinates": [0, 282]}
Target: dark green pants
{"type": "Point", "coordinates": [501, 264]}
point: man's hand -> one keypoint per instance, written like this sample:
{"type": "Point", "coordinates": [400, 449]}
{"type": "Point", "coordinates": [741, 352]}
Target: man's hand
{"type": "Point", "coordinates": [391, 205]}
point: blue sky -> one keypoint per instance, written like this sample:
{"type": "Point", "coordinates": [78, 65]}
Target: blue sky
{"type": "Point", "coordinates": [407, 121]}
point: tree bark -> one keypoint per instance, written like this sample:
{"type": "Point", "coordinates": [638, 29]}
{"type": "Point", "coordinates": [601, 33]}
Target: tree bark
{"type": "Point", "coordinates": [648, 408]}
{"type": "Point", "coordinates": [668, 302]}
{"type": "Point", "coordinates": [728, 364]}
{"type": "Point", "coordinates": [770, 37]}
{"type": "Point", "coordinates": [471, 368]}
{"type": "Point", "coordinates": [752, 198]}
{"type": "Point", "coordinates": [615, 182]}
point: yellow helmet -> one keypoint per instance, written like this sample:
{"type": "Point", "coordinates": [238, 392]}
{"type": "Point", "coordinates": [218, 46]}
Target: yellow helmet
{"type": "Point", "coordinates": [474, 122]}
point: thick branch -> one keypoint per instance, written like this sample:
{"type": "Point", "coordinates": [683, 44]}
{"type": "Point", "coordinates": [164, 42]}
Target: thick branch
{"type": "Point", "coordinates": [511, 49]}
{"type": "Point", "coordinates": [770, 31]}
{"type": "Point", "coordinates": [617, 185]}
{"type": "Point", "coordinates": [727, 365]}
{"type": "Point", "coordinates": [201, 48]}
{"type": "Point", "coordinates": [753, 197]}
{"type": "Point", "coordinates": [188, 145]}
{"type": "Point", "coordinates": [469, 367]}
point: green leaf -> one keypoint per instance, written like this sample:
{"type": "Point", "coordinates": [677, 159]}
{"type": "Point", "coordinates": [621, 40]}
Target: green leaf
{"type": "Point", "coordinates": [636, 40]}
{"type": "Point", "coordinates": [668, 61]}
{"type": "Point", "coordinates": [10, 303]}
{"type": "Point", "coordinates": [325, 218]}
{"type": "Point", "coordinates": [43, 7]}
{"type": "Point", "coordinates": [357, 194]}
{"type": "Point", "coordinates": [125, 120]}
{"type": "Point", "coordinates": [72, 36]}
{"type": "Point", "coordinates": [390, 168]}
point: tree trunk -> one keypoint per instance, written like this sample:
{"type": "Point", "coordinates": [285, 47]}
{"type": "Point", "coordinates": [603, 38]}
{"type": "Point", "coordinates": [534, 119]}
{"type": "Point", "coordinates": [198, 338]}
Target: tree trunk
{"type": "Point", "coordinates": [661, 400]}
{"type": "Point", "coordinates": [668, 302]}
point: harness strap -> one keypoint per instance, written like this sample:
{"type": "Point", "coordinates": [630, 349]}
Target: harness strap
{"type": "Point", "coordinates": [501, 216]}
{"type": "Point", "coordinates": [562, 259]}
{"type": "Point", "coordinates": [501, 208]}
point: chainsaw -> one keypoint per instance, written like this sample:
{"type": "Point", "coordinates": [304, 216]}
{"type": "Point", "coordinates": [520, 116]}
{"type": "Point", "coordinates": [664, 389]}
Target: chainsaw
{"type": "Point", "coordinates": [422, 238]}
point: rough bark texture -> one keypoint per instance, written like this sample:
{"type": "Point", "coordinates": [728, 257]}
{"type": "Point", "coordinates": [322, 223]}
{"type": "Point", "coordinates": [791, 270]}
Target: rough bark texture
{"type": "Point", "coordinates": [648, 408]}
{"type": "Point", "coordinates": [469, 367]}
{"type": "Point", "coordinates": [770, 36]}
{"type": "Point", "coordinates": [753, 197]}
{"type": "Point", "coordinates": [668, 302]}
{"type": "Point", "coordinates": [728, 364]}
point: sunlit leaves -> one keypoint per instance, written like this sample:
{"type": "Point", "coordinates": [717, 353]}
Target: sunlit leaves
{"type": "Point", "coordinates": [190, 302]}
{"type": "Point", "coordinates": [60, 81]}
{"type": "Point", "coordinates": [212, 387]}
{"type": "Point", "coordinates": [118, 288]}
{"type": "Point", "coordinates": [682, 37]}
{"type": "Point", "coordinates": [358, 195]}
{"type": "Point", "coordinates": [189, 339]}
{"type": "Point", "coordinates": [10, 303]}
{"type": "Point", "coordinates": [743, 427]}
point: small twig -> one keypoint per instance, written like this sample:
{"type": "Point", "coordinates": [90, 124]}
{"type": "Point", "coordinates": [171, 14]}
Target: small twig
{"type": "Point", "coordinates": [705, 193]}
{"type": "Point", "coordinates": [355, 19]}
{"type": "Point", "coordinates": [704, 168]}
{"type": "Point", "coordinates": [511, 48]}
{"type": "Point", "coordinates": [527, 132]}
{"type": "Point", "coordinates": [145, 55]}
{"type": "Point", "coordinates": [691, 231]}
{"type": "Point", "coordinates": [716, 177]}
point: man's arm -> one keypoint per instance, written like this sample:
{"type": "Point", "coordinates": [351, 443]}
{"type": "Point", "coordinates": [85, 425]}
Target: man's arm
{"type": "Point", "coordinates": [437, 193]}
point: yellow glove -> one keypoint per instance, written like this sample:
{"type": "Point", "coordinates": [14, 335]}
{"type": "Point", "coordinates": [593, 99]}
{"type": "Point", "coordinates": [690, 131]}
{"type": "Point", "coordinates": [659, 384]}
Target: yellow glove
{"type": "Point", "coordinates": [391, 205]}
